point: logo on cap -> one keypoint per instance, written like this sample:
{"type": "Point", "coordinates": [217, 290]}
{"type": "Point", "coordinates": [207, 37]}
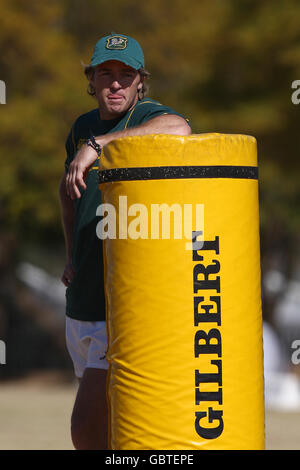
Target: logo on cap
{"type": "Point", "coordinates": [116, 42]}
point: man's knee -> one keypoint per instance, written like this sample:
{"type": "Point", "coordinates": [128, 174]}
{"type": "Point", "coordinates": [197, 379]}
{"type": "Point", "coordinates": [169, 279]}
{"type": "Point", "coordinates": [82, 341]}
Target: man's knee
{"type": "Point", "coordinates": [89, 417]}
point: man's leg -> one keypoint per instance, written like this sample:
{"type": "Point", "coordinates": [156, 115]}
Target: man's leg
{"type": "Point", "coordinates": [89, 423]}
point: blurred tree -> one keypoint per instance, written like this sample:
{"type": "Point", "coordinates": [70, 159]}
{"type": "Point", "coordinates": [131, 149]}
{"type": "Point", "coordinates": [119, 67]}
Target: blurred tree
{"type": "Point", "coordinates": [38, 64]}
{"type": "Point", "coordinates": [228, 66]}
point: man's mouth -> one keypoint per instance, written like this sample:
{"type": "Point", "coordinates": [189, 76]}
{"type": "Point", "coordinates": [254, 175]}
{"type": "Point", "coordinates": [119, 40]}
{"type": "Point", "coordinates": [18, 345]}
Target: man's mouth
{"type": "Point", "coordinates": [115, 97]}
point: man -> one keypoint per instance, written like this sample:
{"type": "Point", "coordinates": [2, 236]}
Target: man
{"type": "Point", "coordinates": [117, 79]}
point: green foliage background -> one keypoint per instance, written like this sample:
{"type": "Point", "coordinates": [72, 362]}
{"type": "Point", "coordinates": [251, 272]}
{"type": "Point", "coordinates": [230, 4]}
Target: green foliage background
{"type": "Point", "coordinates": [228, 66]}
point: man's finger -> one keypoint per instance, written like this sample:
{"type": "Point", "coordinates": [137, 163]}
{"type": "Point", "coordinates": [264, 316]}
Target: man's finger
{"type": "Point", "coordinates": [74, 189]}
{"type": "Point", "coordinates": [76, 194]}
{"type": "Point", "coordinates": [75, 182]}
{"type": "Point", "coordinates": [80, 181]}
{"type": "Point", "coordinates": [67, 275]}
{"type": "Point", "coordinates": [65, 280]}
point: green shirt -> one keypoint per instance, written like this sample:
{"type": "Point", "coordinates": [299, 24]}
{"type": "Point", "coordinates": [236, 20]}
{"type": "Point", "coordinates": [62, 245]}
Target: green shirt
{"type": "Point", "coordinates": [85, 298]}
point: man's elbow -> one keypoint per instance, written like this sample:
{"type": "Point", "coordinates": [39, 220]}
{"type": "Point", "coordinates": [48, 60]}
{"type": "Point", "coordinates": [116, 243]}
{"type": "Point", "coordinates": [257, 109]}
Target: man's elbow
{"type": "Point", "coordinates": [184, 128]}
{"type": "Point", "coordinates": [181, 126]}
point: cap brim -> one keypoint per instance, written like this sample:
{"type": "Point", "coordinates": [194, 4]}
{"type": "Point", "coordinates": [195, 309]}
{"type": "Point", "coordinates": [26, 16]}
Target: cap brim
{"type": "Point", "coordinates": [116, 55]}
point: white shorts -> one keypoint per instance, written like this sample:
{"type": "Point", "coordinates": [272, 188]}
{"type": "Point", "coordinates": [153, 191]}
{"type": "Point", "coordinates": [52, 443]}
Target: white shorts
{"type": "Point", "coordinates": [87, 344]}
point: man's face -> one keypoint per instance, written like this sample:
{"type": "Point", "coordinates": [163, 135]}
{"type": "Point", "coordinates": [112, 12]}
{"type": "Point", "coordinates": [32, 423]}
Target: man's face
{"type": "Point", "coordinates": [117, 86]}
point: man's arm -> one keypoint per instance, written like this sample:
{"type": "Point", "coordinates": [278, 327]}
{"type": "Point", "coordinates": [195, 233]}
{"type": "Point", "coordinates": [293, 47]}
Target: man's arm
{"type": "Point", "coordinates": [86, 156]}
{"type": "Point", "coordinates": [165, 124]}
{"type": "Point", "coordinates": [67, 215]}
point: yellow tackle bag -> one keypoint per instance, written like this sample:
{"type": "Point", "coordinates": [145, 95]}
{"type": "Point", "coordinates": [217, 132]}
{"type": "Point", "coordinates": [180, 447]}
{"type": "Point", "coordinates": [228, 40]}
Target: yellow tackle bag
{"type": "Point", "coordinates": [180, 230]}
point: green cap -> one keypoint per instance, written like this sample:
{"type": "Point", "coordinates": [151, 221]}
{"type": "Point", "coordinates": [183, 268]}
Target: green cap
{"type": "Point", "coordinates": [118, 47]}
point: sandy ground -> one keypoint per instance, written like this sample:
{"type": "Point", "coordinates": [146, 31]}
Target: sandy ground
{"type": "Point", "coordinates": [35, 415]}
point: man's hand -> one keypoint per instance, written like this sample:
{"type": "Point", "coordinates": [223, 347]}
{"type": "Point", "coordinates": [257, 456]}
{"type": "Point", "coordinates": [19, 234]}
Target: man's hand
{"type": "Point", "coordinates": [78, 170]}
{"type": "Point", "coordinates": [68, 273]}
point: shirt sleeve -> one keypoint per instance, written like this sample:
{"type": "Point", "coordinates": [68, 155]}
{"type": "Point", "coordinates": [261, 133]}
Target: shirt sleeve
{"type": "Point", "coordinates": [146, 110]}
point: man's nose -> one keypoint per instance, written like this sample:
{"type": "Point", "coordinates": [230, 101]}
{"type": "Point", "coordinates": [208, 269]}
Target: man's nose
{"type": "Point", "coordinates": [115, 84]}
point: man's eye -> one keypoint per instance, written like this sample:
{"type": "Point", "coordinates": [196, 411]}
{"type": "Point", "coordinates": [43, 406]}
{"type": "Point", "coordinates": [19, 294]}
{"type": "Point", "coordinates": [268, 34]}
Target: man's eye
{"type": "Point", "coordinates": [103, 73]}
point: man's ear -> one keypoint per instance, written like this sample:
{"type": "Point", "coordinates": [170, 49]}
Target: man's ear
{"type": "Point", "coordinates": [92, 79]}
{"type": "Point", "coordinates": [140, 85]}
{"type": "Point", "coordinates": [90, 75]}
